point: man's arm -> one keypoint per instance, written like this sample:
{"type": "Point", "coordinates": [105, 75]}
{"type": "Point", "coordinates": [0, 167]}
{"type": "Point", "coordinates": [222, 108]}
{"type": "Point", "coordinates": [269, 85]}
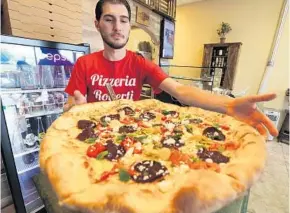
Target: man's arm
{"type": "Point", "coordinates": [78, 98]}
{"type": "Point", "coordinates": [194, 96]}
{"type": "Point", "coordinates": [244, 108]}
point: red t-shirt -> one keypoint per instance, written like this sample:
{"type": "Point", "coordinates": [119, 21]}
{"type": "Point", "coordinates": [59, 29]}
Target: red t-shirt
{"type": "Point", "coordinates": [91, 73]}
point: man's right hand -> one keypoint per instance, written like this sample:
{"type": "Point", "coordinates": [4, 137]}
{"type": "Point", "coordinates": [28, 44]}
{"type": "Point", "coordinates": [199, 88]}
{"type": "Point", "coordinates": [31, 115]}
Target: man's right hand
{"type": "Point", "coordinates": [77, 99]}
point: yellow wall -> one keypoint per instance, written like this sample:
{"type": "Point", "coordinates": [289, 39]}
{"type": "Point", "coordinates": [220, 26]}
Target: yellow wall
{"type": "Point", "coordinates": [253, 24]}
{"type": "Point", "coordinates": [137, 35]}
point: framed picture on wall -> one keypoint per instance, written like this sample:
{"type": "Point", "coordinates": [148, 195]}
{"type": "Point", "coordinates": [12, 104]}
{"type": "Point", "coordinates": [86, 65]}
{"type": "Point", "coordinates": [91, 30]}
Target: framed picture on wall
{"type": "Point", "coordinates": [142, 16]}
{"type": "Point", "coordinates": [167, 39]}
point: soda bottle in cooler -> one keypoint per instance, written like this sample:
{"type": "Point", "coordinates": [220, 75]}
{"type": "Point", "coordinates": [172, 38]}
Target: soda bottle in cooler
{"type": "Point", "coordinates": [29, 139]}
{"type": "Point", "coordinates": [46, 76]}
{"type": "Point", "coordinates": [48, 121]}
{"type": "Point", "coordinates": [59, 76]}
{"type": "Point", "coordinates": [40, 130]}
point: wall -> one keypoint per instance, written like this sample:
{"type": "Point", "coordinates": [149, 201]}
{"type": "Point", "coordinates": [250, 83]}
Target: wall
{"type": "Point", "coordinates": [253, 23]}
{"type": "Point", "coordinates": [138, 35]}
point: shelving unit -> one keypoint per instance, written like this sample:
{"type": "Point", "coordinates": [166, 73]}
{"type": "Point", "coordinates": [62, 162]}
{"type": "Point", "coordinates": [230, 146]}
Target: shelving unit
{"type": "Point", "coordinates": [222, 58]}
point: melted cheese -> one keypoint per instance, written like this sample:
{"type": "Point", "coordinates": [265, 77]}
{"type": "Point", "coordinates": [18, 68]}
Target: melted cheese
{"type": "Point", "coordinates": [100, 166]}
{"type": "Point", "coordinates": [165, 186]}
{"type": "Point", "coordinates": [169, 126]}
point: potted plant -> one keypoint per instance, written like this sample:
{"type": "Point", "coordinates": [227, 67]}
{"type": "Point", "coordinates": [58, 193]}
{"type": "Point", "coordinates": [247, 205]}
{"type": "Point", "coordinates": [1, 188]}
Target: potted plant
{"type": "Point", "coordinates": [145, 49]}
{"type": "Point", "coordinates": [224, 29]}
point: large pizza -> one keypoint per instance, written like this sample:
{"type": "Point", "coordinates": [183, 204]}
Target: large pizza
{"type": "Point", "coordinates": [149, 157]}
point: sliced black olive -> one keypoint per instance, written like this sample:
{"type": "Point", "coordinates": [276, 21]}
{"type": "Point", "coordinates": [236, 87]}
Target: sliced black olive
{"type": "Point", "coordinates": [86, 133]}
{"type": "Point", "coordinates": [114, 151]}
{"type": "Point", "coordinates": [216, 156]}
{"type": "Point", "coordinates": [84, 124]}
{"type": "Point", "coordinates": [147, 116]}
{"type": "Point", "coordinates": [110, 117]}
{"type": "Point", "coordinates": [127, 129]}
{"type": "Point", "coordinates": [214, 134]}
{"type": "Point", "coordinates": [127, 110]}
{"type": "Point", "coordinates": [172, 141]}
{"type": "Point", "coordinates": [149, 171]}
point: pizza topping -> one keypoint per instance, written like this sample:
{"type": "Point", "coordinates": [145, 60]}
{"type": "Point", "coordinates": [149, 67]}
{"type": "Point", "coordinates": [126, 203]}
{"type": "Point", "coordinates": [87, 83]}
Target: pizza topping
{"type": "Point", "coordinates": [147, 116]}
{"type": "Point", "coordinates": [189, 129]}
{"type": "Point", "coordinates": [169, 125]}
{"type": "Point", "coordinates": [105, 175]}
{"type": "Point", "coordinates": [95, 149]}
{"type": "Point", "coordinates": [195, 121]}
{"type": "Point", "coordinates": [128, 120]}
{"type": "Point", "coordinates": [148, 171]}
{"type": "Point", "coordinates": [215, 156]}
{"type": "Point", "coordinates": [127, 110]}
{"type": "Point", "coordinates": [102, 155]}
{"type": "Point", "coordinates": [86, 133]}
{"type": "Point", "coordinates": [90, 140]}
{"type": "Point", "coordinates": [114, 151]}
{"type": "Point", "coordinates": [167, 113]}
{"type": "Point", "coordinates": [178, 157]}
{"type": "Point", "coordinates": [108, 118]}
{"type": "Point", "coordinates": [127, 129]}
{"type": "Point", "coordinates": [84, 124]}
{"type": "Point", "coordinates": [172, 141]}
{"type": "Point", "coordinates": [124, 176]}
{"type": "Point", "coordinates": [214, 134]}
{"type": "Point", "coordinates": [178, 129]}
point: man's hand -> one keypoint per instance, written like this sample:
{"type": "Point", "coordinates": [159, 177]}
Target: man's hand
{"type": "Point", "coordinates": [245, 109]}
{"type": "Point", "coordinates": [77, 99]}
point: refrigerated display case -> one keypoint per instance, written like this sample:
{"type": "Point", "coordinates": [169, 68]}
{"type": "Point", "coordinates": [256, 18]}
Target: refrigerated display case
{"type": "Point", "coordinates": [33, 76]}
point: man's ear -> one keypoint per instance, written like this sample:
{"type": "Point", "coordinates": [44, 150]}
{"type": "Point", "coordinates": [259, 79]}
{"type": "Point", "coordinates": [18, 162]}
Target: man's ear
{"type": "Point", "coordinates": [97, 25]}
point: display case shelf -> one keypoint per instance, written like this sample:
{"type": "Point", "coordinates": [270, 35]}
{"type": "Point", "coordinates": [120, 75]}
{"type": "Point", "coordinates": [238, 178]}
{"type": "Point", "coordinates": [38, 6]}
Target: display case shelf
{"type": "Point", "coordinates": [26, 152]}
{"type": "Point", "coordinates": [18, 90]}
{"type": "Point", "coordinates": [23, 167]}
{"type": "Point", "coordinates": [58, 111]}
{"type": "Point", "coordinates": [34, 206]}
{"type": "Point", "coordinates": [28, 168]}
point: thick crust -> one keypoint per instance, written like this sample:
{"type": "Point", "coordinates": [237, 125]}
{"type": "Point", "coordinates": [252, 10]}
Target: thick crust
{"type": "Point", "coordinates": [73, 175]}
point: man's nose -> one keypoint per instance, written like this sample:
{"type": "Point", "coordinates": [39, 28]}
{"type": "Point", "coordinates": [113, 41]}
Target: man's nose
{"type": "Point", "coordinates": [117, 25]}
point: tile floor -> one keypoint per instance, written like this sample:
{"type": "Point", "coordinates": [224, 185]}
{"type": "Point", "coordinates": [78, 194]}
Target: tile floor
{"type": "Point", "coordinates": [271, 193]}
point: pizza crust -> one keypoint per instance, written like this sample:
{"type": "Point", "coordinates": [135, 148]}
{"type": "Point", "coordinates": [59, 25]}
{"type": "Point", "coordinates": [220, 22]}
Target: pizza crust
{"type": "Point", "coordinates": [73, 175]}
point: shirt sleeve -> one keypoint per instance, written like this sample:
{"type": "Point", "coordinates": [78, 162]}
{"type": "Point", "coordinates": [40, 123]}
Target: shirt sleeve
{"type": "Point", "coordinates": [77, 80]}
{"type": "Point", "coordinates": [153, 74]}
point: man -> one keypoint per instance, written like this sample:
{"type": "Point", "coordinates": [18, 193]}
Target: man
{"type": "Point", "coordinates": [127, 72]}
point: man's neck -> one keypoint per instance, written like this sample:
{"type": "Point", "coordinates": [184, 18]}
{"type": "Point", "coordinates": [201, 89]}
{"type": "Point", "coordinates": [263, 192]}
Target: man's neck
{"type": "Point", "coordinates": [114, 54]}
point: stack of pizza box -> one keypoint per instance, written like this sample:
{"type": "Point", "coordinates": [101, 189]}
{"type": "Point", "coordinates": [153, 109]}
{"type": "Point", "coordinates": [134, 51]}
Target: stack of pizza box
{"type": "Point", "coordinates": [55, 20]}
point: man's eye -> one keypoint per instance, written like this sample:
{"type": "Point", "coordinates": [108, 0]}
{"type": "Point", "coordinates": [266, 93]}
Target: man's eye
{"type": "Point", "coordinates": [108, 20]}
{"type": "Point", "coordinates": [124, 21]}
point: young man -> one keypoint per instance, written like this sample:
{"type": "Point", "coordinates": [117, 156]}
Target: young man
{"type": "Point", "coordinates": [127, 72]}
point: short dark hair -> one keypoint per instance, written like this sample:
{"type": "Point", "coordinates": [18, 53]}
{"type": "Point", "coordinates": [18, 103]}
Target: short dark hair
{"type": "Point", "coordinates": [100, 4]}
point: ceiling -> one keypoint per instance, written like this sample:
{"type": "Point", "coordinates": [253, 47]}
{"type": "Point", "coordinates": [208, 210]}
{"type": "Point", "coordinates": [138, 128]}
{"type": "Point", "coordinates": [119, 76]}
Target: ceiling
{"type": "Point", "coordinates": [182, 2]}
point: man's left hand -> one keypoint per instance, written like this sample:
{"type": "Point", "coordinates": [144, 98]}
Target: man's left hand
{"type": "Point", "coordinates": [245, 109]}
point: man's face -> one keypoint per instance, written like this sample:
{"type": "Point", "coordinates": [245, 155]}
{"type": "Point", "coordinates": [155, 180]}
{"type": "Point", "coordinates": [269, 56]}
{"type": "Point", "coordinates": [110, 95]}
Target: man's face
{"type": "Point", "coordinates": [114, 25]}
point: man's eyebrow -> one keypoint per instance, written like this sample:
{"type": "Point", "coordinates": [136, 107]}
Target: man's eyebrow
{"type": "Point", "coordinates": [112, 16]}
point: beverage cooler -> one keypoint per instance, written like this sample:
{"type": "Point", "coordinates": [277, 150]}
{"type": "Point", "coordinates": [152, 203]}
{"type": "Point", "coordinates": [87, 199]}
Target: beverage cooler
{"type": "Point", "coordinates": [33, 77]}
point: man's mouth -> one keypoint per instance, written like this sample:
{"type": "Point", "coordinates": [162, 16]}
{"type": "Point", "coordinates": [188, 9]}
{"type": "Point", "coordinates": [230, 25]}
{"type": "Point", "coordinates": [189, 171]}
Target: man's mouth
{"type": "Point", "coordinates": [117, 36]}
